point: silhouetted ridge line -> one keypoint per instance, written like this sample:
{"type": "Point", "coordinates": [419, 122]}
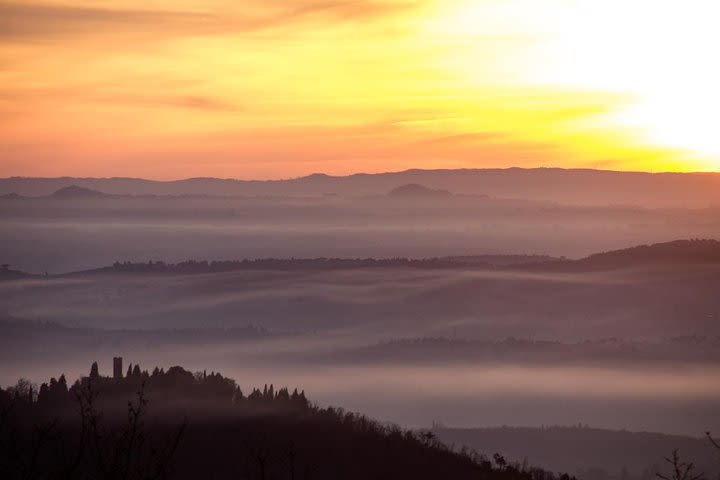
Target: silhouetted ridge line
{"type": "Point", "coordinates": [690, 252]}
{"type": "Point", "coordinates": [176, 424]}
{"type": "Point", "coordinates": [280, 263]}
{"type": "Point", "coordinates": [322, 263]}
{"type": "Point", "coordinates": [693, 251]}
{"type": "Point", "coordinates": [573, 186]}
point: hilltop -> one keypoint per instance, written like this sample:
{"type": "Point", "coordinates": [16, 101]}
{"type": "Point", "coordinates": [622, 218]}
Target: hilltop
{"type": "Point", "coordinates": [678, 252]}
{"type": "Point", "coordinates": [73, 191]}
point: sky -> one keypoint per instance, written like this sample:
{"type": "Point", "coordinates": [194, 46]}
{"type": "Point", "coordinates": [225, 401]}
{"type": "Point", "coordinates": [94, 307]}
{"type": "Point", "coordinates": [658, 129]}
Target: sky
{"type": "Point", "coordinates": [283, 88]}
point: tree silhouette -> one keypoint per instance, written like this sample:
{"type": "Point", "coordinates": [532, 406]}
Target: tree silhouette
{"type": "Point", "coordinates": [94, 371]}
{"type": "Point", "coordinates": [712, 440]}
{"type": "Point", "coordinates": [680, 470]}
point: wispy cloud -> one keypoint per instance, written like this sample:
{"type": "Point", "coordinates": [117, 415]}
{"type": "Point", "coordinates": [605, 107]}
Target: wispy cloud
{"type": "Point", "coordinates": [33, 21]}
{"type": "Point", "coordinates": [193, 102]}
{"type": "Point", "coordinates": [22, 21]}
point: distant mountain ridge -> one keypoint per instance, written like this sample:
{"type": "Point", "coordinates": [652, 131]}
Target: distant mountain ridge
{"type": "Point", "coordinates": [571, 186]}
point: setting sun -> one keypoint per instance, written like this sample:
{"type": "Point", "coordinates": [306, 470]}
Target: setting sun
{"type": "Point", "coordinates": [660, 55]}
{"type": "Point", "coordinates": [652, 61]}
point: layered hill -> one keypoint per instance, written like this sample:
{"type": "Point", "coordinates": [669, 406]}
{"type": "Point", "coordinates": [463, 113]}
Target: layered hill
{"type": "Point", "coordinates": [573, 186]}
{"type": "Point", "coordinates": [694, 252]}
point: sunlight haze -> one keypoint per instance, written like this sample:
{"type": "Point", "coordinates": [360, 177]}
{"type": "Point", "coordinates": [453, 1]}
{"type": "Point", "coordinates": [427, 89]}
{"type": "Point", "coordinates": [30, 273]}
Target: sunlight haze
{"type": "Point", "coordinates": [280, 89]}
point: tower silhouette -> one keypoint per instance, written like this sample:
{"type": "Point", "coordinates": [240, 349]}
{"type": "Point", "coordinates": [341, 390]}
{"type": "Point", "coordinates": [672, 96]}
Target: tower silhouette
{"type": "Point", "coordinates": [117, 368]}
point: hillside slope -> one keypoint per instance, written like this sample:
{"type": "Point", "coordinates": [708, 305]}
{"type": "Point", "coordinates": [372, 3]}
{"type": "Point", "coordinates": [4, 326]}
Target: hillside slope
{"type": "Point", "coordinates": [177, 425]}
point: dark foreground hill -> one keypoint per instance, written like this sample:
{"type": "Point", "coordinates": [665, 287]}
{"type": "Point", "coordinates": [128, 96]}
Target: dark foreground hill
{"type": "Point", "coordinates": [176, 424]}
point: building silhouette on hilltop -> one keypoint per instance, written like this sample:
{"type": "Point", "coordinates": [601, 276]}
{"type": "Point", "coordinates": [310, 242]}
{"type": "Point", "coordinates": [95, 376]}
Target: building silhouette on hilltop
{"type": "Point", "coordinates": [117, 368]}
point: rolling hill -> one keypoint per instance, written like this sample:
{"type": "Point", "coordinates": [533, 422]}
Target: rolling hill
{"type": "Point", "coordinates": [569, 186]}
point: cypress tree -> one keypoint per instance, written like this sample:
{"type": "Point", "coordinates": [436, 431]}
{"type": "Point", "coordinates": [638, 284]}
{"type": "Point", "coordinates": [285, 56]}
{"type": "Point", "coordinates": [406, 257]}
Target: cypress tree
{"type": "Point", "coordinates": [94, 371]}
{"type": "Point", "coordinates": [62, 384]}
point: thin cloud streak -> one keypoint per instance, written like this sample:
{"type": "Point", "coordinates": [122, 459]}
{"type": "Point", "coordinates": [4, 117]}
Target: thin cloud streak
{"type": "Point", "coordinates": [33, 22]}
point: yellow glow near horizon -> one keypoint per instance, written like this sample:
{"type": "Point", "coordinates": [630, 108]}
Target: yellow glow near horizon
{"type": "Point", "coordinates": [279, 89]}
{"type": "Point", "coordinates": [659, 55]}
{"type": "Point", "coordinates": [662, 53]}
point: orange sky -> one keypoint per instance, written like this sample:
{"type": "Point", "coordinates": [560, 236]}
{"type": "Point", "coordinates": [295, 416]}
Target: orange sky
{"type": "Point", "coordinates": [282, 88]}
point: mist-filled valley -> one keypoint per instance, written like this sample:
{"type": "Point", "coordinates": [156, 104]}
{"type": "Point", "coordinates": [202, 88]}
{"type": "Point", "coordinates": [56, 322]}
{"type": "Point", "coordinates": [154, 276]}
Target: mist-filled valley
{"type": "Point", "coordinates": [634, 348]}
{"type": "Point", "coordinates": [359, 240]}
{"type": "Point", "coordinates": [77, 231]}
{"type": "Point", "coordinates": [430, 309]}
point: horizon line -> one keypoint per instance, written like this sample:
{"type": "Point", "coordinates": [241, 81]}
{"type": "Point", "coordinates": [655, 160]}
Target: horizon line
{"type": "Point", "coordinates": [349, 175]}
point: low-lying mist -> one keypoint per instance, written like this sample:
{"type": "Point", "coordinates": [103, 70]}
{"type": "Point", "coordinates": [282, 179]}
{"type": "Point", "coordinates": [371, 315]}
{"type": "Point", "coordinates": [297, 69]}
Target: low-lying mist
{"type": "Point", "coordinates": [678, 398]}
{"type": "Point", "coordinates": [625, 346]}
{"type": "Point", "coordinates": [59, 235]}
{"type": "Point", "coordinates": [383, 303]}
{"type": "Point", "coordinates": [633, 348]}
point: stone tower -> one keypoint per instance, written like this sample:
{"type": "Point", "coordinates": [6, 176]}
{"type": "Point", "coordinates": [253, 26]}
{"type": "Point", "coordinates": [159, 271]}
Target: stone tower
{"type": "Point", "coordinates": [117, 368]}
